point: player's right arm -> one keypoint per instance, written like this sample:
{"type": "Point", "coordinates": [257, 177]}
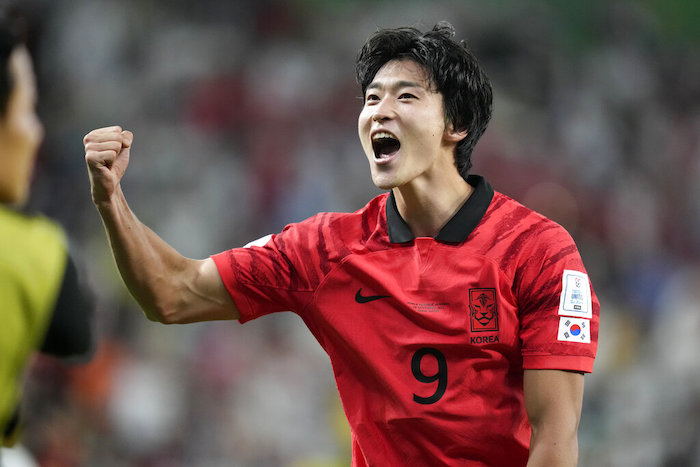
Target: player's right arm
{"type": "Point", "coordinates": [169, 287]}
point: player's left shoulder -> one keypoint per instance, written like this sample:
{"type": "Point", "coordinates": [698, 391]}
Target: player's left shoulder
{"type": "Point", "coordinates": [530, 226]}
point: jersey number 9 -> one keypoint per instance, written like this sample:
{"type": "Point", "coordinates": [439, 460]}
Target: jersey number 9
{"type": "Point", "coordinates": [440, 376]}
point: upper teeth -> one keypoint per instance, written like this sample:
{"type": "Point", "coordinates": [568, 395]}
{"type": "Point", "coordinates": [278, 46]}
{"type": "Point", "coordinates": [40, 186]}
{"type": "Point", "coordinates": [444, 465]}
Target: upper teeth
{"type": "Point", "coordinates": [382, 134]}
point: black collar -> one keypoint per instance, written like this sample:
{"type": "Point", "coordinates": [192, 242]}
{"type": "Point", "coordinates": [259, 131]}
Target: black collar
{"type": "Point", "coordinates": [458, 228]}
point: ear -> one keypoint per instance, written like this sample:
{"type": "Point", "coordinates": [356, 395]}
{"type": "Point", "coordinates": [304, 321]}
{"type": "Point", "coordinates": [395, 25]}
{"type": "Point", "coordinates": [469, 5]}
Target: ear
{"type": "Point", "coordinates": [454, 136]}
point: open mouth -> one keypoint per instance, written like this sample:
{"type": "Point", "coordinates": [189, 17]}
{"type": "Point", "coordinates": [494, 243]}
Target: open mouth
{"type": "Point", "coordinates": [384, 145]}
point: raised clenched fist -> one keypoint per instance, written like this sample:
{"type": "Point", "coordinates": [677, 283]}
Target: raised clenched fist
{"type": "Point", "coordinates": [107, 156]}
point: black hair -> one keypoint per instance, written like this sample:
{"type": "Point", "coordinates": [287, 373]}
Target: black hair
{"type": "Point", "coordinates": [451, 68]}
{"type": "Point", "coordinates": [11, 36]}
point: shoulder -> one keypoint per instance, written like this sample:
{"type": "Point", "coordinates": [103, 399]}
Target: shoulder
{"type": "Point", "coordinates": [30, 238]}
{"type": "Point", "coordinates": [515, 235]}
{"type": "Point", "coordinates": [523, 223]}
{"type": "Point", "coordinates": [34, 257]}
{"type": "Point", "coordinates": [345, 225]}
{"type": "Point", "coordinates": [29, 226]}
{"type": "Point", "coordinates": [332, 236]}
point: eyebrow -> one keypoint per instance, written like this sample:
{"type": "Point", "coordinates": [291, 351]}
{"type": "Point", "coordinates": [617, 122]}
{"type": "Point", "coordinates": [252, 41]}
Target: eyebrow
{"type": "Point", "coordinates": [396, 85]}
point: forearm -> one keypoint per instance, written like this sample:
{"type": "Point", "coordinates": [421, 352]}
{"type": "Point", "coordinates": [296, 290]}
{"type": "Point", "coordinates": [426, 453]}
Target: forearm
{"type": "Point", "coordinates": [169, 287]}
{"type": "Point", "coordinates": [553, 448]}
{"type": "Point", "coordinates": [151, 269]}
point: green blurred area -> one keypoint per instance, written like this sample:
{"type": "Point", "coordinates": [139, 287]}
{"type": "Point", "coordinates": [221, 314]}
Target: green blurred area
{"type": "Point", "coordinates": [582, 23]}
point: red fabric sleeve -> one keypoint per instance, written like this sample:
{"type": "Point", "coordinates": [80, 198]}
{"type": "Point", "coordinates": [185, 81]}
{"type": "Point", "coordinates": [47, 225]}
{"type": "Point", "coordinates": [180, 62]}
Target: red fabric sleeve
{"type": "Point", "coordinates": [547, 342]}
{"type": "Point", "coordinates": [277, 275]}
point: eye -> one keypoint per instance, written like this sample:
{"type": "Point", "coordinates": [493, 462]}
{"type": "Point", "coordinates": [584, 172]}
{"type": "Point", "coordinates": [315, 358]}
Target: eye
{"type": "Point", "coordinates": [371, 97]}
{"type": "Point", "coordinates": [407, 95]}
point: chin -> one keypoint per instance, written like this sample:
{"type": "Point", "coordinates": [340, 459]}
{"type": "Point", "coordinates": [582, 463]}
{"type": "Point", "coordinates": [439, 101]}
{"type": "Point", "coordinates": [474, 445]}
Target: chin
{"type": "Point", "coordinates": [383, 184]}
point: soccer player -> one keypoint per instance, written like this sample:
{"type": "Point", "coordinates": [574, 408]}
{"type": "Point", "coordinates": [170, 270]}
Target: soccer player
{"type": "Point", "coordinates": [458, 322]}
{"type": "Point", "coordinates": [42, 305]}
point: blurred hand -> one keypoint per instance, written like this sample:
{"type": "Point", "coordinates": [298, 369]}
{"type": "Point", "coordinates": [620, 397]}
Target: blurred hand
{"type": "Point", "coordinates": [107, 156]}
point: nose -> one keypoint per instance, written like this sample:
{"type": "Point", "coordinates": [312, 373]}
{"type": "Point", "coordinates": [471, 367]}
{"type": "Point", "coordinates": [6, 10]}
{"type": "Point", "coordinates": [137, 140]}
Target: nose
{"type": "Point", "coordinates": [383, 110]}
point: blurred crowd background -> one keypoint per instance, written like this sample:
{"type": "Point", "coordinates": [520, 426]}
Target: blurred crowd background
{"type": "Point", "coordinates": [244, 114]}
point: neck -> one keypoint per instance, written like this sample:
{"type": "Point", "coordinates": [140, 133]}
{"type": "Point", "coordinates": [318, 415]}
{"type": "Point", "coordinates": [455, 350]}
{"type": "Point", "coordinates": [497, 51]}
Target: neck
{"type": "Point", "coordinates": [427, 211]}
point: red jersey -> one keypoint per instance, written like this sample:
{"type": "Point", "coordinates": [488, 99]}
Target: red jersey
{"type": "Point", "coordinates": [429, 337]}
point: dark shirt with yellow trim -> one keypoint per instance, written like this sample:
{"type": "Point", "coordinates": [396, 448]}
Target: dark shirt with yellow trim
{"type": "Point", "coordinates": [43, 307]}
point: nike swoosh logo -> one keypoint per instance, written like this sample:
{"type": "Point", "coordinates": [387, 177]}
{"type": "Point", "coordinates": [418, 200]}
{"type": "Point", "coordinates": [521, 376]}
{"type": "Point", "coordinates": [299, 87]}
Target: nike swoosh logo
{"type": "Point", "coordinates": [359, 298]}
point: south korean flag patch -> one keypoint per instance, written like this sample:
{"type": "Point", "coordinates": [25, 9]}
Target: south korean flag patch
{"type": "Point", "coordinates": [575, 297]}
{"type": "Point", "coordinates": [574, 330]}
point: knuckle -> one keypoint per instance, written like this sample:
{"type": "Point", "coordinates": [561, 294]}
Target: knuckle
{"type": "Point", "coordinates": [91, 156]}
